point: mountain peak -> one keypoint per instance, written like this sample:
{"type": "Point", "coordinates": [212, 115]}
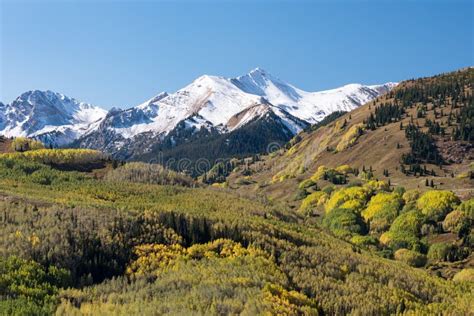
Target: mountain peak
{"type": "Point", "coordinates": [258, 70]}
{"type": "Point", "coordinates": [260, 74]}
{"type": "Point", "coordinates": [49, 116]}
{"type": "Point", "coordinates": [384, 88]}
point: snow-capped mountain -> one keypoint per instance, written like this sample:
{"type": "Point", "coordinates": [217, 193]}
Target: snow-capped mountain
{"type": "Point", "coordinates": [222, 105]}
{"type": "Point", "coordinates": [211, 104]}
{"type": "Point", "coordinates": [308, 106]}
{"type": "Point", "coordinates": [218, 99]}
{"type": "Point", "coordinates": [51, 117]}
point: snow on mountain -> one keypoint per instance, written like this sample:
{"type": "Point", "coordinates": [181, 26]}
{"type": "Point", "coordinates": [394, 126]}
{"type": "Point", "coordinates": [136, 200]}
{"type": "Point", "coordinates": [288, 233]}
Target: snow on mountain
{"type": "Point", "coordinates": [49, 116]}
{"type": "Point", "coordinates": [218, 99]}
{"type": "Point", "coordinates": [257, 111]}
{"type": "Point", "coordinates": [209, 102]}
{"type": "Point", "coordinates": [215, 99]}
{"type": "Point", "coordinates": [309, 106]}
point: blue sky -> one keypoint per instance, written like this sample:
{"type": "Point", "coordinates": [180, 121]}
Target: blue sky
{"type": "Point", "coordinates": [119, 53]}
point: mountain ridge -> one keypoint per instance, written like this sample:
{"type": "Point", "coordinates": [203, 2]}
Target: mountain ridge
{"type": "Point", "coordinates": [375, 137]}
{"type": "Point", "coordinates": [40, 114]}
{"type": "Point", "coordinates": [210, 102]}
{"type": "Point", "coordinates": [217, 103]}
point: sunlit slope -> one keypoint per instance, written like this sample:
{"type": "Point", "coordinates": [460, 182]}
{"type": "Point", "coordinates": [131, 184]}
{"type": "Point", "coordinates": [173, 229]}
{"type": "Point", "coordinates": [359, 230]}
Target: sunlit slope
{"type": "Point", "coordinates": [349, 140]}
{"type": "Point", "coordinates": [153, 238]}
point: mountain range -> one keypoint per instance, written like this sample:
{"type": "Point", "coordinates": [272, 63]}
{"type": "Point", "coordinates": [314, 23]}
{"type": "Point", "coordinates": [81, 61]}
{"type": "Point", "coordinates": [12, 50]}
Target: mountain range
{"type": "Point", "coordinates": [211, 108]}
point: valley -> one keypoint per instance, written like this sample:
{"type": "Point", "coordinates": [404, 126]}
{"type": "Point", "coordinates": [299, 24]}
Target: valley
{"type": "Point", "coordinates": [354, 215]}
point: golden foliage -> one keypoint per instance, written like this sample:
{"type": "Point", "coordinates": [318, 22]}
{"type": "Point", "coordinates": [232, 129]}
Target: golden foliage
{"type": "Point", "coordinates": [465, 275]}
{"type": "Point", "coordinates": [282, 302]}
{"type": "Point", "coordinates": [344, 169]}
{"type": "Point", "coordinates": [437, 203]}
{"type": "Point", "coordinates": [354, 196]}
{"type": "Point", "coordinates": [319, 174]}
{"type": "Point", "coordinates": [306, 184]}
{"type": "Point", "coordinates": [350, 137]}
{"type": "Point", "coordinates": [22, 144]}
{"type": "Point", "coordinates": [381, 210]}
{"type": "Point", "coordinates": [57, 156]}
{"type": "Point", "coordinates": [374, 185]}
{"type": "Point", "coordinates": [155, 258]}
{"type": "Point", "coordinates": [312, 201]}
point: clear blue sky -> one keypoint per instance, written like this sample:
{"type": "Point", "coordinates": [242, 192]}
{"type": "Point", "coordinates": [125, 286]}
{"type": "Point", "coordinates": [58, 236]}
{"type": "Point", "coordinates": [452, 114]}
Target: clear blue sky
{"type": "Point", "coordinates": [119, 53]}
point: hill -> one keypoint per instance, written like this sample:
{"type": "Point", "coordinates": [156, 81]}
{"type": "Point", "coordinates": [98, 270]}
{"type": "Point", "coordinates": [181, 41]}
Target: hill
{"type": "Point", "coordinates": [117, 245]}
{"type": "Point", "coordinates": [375, 137]}
{"type": "Point", "coordinates": [309, 229]}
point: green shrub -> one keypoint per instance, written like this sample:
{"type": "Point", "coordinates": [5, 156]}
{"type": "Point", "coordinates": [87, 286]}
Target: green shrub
{"type": "Point", "coordinates": [148, 173]}
{"type": "Point", "coordinates": [410, 257]}
{"type": "Point", "coordinates": [364, 241]}
{"type": "Point", "coordinates": [399, 190]}
{"type": "Point", "coordinates": [42, 176]}
{"type": "Point", "coordinates": [29, 287]}
{"type": "Point", "coordinates": [467, 207]}
{"type": "Point", "coordinates": [439, 252]}
{"type": "Point", "coordinates": [457, 222]}
{"type": "Point", "coordinates": [409, 222]}
{"type": "Point", "coordinates": [300, 194]}
{"type": "Point", "coordinates": [399, 240]}
{"type": "Point", "coordinates": [34, 172]}
{"type": "Point", "coordinates": [410, 197]}
{"type": "Point", "coordinates": [404, 231]}
{"type": "Point", "coordinates": [25, 306]}
{"type": "Point", "coordinates": [329, 189]}
{"type": "Point", "coordinates": [346, 220]}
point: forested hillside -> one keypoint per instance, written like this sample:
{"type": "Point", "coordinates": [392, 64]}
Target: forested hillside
{"type": "Point", "coordinates": [184, 148]}
{"type": "Point", "coordinates": [75, 244]}
{"type": "Point", "coordinates": [419, 135]}
{"type": "Point", "coordinates": [369, 212]}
